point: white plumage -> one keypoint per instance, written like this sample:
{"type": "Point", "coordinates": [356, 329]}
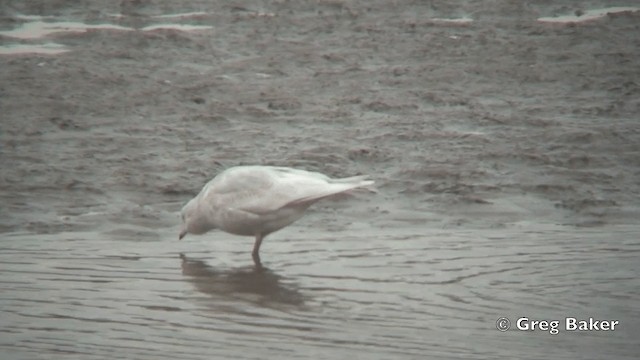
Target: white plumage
{"type": "Point", "coordinates": [258, 200]}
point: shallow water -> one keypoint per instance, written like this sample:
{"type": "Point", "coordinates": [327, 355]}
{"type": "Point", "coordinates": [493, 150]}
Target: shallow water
{"type": "Point", "coordinates": [400, 294]}
{"type": "Point", "coordinates": [36, 29]}
{"type": "Point", "coordinates": [589, 15]}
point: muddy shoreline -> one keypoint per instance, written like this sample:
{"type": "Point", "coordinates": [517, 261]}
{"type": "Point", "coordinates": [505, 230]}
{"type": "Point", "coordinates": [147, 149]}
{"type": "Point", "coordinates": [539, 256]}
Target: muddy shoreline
{"type": "Point", "coordinates": [545, 131]}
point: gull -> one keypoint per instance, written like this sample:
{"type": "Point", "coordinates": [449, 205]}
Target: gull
{"type": "Point", "coordinates": [258, 200]}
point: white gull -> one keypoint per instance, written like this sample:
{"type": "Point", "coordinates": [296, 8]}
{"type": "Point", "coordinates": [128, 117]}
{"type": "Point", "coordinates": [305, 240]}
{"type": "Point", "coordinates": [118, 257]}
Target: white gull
{"type": "Point", "coordinates": [258, 200]}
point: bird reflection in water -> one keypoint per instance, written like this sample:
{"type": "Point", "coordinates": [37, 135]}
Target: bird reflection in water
{"type": "Point", "coordinates": [255, 284]}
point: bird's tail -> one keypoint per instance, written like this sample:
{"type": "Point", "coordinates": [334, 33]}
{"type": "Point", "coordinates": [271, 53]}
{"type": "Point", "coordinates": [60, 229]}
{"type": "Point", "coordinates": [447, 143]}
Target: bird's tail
{"type": "Point", "coordinates": [358, 182]}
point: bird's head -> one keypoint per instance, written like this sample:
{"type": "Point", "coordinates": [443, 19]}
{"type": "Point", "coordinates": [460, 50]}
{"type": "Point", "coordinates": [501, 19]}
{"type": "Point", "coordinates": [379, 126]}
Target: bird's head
{"type": "Point", "coordinates": [184, 229]}
{"type": "Point", "coordinates": [194, 221]}
{"type": "Point", "coordinates": [187, 215]}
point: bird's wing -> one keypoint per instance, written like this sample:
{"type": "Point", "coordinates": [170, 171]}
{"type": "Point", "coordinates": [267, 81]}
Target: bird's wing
{"type": "Point", "coordinates": [262, 190]}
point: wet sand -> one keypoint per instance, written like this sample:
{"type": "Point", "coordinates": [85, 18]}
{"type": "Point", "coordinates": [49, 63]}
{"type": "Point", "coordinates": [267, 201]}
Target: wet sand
{"type": "Point", "coordinates": [506, 148]}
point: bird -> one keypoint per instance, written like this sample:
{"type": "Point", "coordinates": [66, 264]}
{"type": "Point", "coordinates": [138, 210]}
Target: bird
{"type": "Point", "coordinates": [257, 200]}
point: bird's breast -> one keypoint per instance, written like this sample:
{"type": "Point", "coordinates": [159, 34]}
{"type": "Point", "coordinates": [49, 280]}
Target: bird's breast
{"type": "Point", "coordinates": [239, 222]}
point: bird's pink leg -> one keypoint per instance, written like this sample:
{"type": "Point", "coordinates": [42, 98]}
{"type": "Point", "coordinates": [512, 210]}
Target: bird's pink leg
{"type": "Point", "coordinates": [256, 250]}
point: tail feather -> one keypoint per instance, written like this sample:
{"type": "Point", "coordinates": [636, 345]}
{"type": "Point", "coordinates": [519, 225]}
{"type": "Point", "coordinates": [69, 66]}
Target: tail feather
{"type": "Point", "coordinates": [344, 185]}
{"type": "Point", "coordinates": [353, 180]}
{"type": "Point", "coordinates": [360, 182]}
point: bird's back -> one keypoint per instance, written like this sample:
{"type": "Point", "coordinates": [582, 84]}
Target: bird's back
{"type": "Point", "coordinates": [250, 199]}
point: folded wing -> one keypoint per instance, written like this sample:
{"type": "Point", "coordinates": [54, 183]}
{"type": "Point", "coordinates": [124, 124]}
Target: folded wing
{"type": "Point", "coordinates": [263, 190]}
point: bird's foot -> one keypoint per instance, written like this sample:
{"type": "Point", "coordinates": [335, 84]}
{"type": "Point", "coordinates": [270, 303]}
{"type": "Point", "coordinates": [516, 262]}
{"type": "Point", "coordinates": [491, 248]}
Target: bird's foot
{"type": "Point", "coordinates": [256, 260]}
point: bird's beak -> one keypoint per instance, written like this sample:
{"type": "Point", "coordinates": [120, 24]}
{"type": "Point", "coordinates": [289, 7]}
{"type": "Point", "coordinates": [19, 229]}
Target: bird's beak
{"type": "Point", "coordinates": [182, 234]}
